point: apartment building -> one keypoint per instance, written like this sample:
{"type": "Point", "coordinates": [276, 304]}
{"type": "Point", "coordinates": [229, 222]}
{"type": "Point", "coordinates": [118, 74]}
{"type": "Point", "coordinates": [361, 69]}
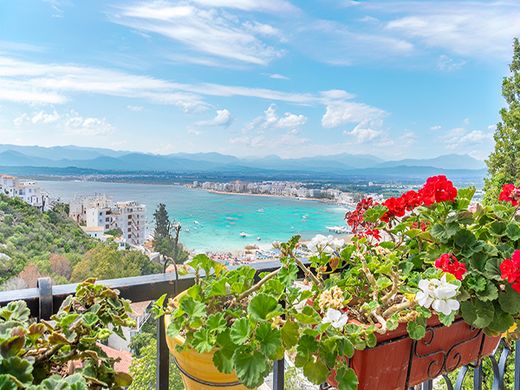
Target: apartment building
{"type": "Point", "coordinates": [99, 214]}
{"type": "Point", "coordinates": [29, 191]}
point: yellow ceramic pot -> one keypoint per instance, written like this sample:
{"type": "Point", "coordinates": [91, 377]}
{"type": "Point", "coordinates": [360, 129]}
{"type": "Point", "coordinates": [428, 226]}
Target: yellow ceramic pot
{"type": "Point", "coordinates": [197, 369]}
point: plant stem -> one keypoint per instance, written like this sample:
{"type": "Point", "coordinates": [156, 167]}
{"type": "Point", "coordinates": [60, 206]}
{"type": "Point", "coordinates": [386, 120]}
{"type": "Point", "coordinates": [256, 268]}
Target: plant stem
{"type": "Point", "coordinates": [306, 271]}
{"type": "Point", "coordinates": [393, 291]}
{"type": "Point", "coordinates": [259, 284]}
{"type": "Point", "coordinates": [396, 308]}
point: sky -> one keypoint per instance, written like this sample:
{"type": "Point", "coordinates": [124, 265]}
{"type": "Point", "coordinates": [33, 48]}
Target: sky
{"type": "Point", "coordinates": [395, 79]}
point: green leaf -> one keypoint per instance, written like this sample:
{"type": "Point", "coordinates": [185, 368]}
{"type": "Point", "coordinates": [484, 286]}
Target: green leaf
{"type": "Point", "coordinates": [262, 306]}
{"type": "Point", "coordinates": [464, 239]}
{"type": "Point", "coordinates": [203, 340]}
{"type": "Point", "coordinates": [250, 366]}
{"type": "Point", "coordinates": [240, 331]}
{"type": "Point", "coordinates": [477, 313]}
{"type": "Point", "coordinates": [289, 333]}
{"type": "Point", "coordinates": [490, 293]}
{"type": "Point", "coordinates": [308, 316]}
{"type": "Point", "coordinates": [173, 329]}
{"type": "Point", "coordinates": [375, 213]}
{"type": "Point", "coordinates": [443, 232]}
{"type": "Point", "coordinates": [383, 282]}
{"type": "Point", "coordinates": [216, 323]}
{"type": "Point", "coordinates": [346, 378]}
{"type": "Point", "coordinates": [19, 368]}
{"type": "Point", "coordinates": [223, 357]}
{"type": "Point", "coordinates": [306, 347]}
{"type": "Point", "coordinates": [447, 320]}
{"type": "Point", "coordinates": [509, 300]}
{"type": "Point", "coordinates": [192, 308]}
{"type": "Point", "coordinates": [416, 330]}
{"type": "Point", "coordinates": [89, 319]}
{"type": "Point", "coordinates": [7, 382]}
{"type": "Point", "coordinates": [513, 231]}
{"type": "Point", "coordinates": [502, 321]}
{"type": "Point", "coordinates": [288, 274]}
{"type": "Point", "coordinates": [269, 338]}
{"type": "Point", "coordinates": [498, 228]}
{"type": "Point", "coordinates": [316, 372]}
{"type": "Point", "coordinates": [371, 340]}
{"type": "Point", "coordinates": [464, 197]}
{"type": "Point", "coordinates": [203, 262]}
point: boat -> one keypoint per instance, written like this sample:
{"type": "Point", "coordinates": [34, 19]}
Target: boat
{"type": "Point", "coordinates": [242, 234]}
{"type": "Point", "coordinates": [260, 210]}
{"type": "Point", "coordinates": [258, 239]}
{"type": "Point", "coordinates": [337, 229]}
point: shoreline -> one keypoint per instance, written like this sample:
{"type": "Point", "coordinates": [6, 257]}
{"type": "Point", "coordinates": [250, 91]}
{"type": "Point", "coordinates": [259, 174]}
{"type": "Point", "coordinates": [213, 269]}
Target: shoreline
{"type": "Point", "coordinates": [326, 201]}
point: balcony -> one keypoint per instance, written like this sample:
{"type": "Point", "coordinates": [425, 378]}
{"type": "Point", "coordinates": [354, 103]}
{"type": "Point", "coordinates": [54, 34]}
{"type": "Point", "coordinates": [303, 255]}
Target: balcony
{"type": "Point", "coordinates": [43, 301]}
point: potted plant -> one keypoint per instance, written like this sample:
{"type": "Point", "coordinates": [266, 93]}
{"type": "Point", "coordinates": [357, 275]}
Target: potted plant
{"type": "Point", "coordinates": [64, 353]}
{"type": "Point", "coordinates": [428, 282]}
{"type": "Point", "coordinates": [226, 330]}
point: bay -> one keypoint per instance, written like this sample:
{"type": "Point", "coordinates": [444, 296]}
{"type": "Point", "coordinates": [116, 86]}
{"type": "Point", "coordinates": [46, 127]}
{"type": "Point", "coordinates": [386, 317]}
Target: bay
{"type": "Point", "coordinates": [213, 222]}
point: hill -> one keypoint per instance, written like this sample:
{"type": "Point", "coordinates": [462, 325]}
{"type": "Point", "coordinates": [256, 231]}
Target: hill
{"type": "Point", "coordinates": [35, 244]}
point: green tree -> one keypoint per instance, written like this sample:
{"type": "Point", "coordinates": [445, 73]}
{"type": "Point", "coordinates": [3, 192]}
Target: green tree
{"type": "Point", "coordinates": [106, 262]}
{"type": "Point", "coordinates": [504, 162]}
{"type": "Point", "coordinates": [162, 222]}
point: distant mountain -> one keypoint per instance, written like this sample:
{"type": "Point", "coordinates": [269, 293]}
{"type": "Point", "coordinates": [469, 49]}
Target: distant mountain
{"type": "Point", "coordinates": [100, 159]}
{"type": "Point", "coordinates": [448, 161]}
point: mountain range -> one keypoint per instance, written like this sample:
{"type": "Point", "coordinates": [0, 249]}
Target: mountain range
{"type": "Point", "coordinates": [101, 159]}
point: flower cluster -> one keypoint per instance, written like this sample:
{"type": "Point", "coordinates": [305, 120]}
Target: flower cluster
{"type": "Point", "coordinates": [438, 294]}
{"type": "Point", "coordinates": [510, 270]}
{"type": "Point", "coordinates": [331, 299]}
{"type": "Point", "coordinates": [397, 207]}
{"type": "Point", "coordinates": [336, 318]}
{"type": "Point", "coordinates": [325, 244]}
{"type": "Point", "coordinates": [510, 194]}
{"type": "Point", "coordinates": [449, 263]}
{"type": "Point", "coordinates": [355, 218]}
{"type": "Point", "coordinates": [437, 189]}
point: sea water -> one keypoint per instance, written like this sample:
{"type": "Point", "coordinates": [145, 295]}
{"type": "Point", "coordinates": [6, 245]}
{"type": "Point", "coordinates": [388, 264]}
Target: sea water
{"type": "Point", "coordinates": [214, 222]}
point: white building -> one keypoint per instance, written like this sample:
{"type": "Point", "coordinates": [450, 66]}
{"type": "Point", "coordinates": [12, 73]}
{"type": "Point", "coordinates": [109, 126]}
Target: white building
{"type": "Point", "coordinates": [99, 213]}
{"type": "Point", "coordinates": [29, 191]}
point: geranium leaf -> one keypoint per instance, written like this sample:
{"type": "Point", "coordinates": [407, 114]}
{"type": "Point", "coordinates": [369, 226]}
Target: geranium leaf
{"type": "Point", "coordinates": [509, 300]}
{"type": "Point", "coordinates": [416, 330]}
{"type": "Point", "coordinates": [262, 306]}
{"type": "Point", "coordinates": [269, 338]}
{"type": "Point", "coordinates": [346, 378]}
{"type": "Point", "coordinates": [477, 313]}
{"type": "Point", "coordinates": [289, 333]}
{"type": "Point", "coordinates": [240, 331]}
{"type": "Point", "coordinates": [250, 366]}
{"type": "Point", "coordinates": [316, 372]}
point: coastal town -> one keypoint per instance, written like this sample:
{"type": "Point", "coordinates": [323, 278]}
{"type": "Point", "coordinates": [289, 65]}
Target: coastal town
{"type": "Point", "coordinates": [288, 189]}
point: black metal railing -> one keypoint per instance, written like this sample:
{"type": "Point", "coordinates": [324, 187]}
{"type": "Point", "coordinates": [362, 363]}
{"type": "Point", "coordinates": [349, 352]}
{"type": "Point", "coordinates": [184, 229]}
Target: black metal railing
{"type": "Point", "coordinates": [46, 299]}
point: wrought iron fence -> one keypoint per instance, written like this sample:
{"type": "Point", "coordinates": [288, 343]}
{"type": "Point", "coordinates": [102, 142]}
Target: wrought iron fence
{"type": "Point", "coordinates": [43, 301]}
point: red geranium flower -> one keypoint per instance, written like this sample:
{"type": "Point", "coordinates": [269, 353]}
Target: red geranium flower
{"type": "Point", "coordinates": [510, 194]}
{"type": "Point", "coordinates": [437, 189]}
{"type": "Point", "coordinates": [510, 268]}
{"type": "Point", "coordinates": [412, 200]}
{"type": "Point", "coordinates": [449, 263]}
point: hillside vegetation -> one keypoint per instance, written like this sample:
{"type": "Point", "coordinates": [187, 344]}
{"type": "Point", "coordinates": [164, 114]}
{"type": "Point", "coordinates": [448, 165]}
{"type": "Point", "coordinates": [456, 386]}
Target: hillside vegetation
{"type": "Point", "coordinates": [35, 244]}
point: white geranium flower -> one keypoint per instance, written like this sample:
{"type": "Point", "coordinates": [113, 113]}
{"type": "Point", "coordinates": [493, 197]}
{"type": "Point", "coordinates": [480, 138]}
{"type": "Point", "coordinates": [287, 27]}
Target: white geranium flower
{"type": "Point", "coordinates": [438, 294]}
{"type": "Point", "coordinates": [336, 318]}
{"type": "Point", "coordinates": [326, 244]}
{"type": "Point", "coordinates": [302, 287]}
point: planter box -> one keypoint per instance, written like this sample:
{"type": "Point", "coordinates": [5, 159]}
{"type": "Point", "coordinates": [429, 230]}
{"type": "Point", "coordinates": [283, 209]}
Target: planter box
{"type": "Point", "coordinates": [397, 362]}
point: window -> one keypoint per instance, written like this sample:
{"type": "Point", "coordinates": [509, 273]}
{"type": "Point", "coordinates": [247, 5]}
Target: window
{"type": "Point", "coordinates": [129, 236]}
{"type": "Point", "coordinates": [129, 229]}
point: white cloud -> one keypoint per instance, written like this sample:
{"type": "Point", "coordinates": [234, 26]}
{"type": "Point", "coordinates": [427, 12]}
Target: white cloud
{"type": "Point", "coordinates": [291, 121]}
{"type": "Point", "coordinates": [436, 127]}
{"type": "Point", "coordinates": [70, 123]}
{"type": "Point", "coordinates": [481, 29]}
{"type": "Point", "coordinates": [135, 108]}
{"type": "Point", "coordinates": [222, 118]}
{"type": "Point", "coordinates": [448, 64]}
{"type": "Point", "coordinates": [210, 31]}
{"type": "Point", "coordinates": [363, 133]}
{"type": "Point", "coordinates": [461, 139]}
{"type": "Point", "coordinates": [86, 126]}
{"type": "Point", "coordinates": [278, 76]}
{"type": "Point", "coordinates": [271, 120]}
{"type": "Point", "coordinates": [272, 6]}
{"type": "Point", "coordinates": [341, 112]}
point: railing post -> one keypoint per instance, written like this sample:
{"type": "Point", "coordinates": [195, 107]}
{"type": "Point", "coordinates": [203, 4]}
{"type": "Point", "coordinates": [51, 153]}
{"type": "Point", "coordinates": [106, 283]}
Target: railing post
{"type": "Point", "coordinates": [477, 377]}
{"type": "Point", "coordinates": [45, 308]}
{"type": "Point", "coordinates": [163, 357]}
{"type": "Point", "coordinates": [428, 385]}
{"type": "Point", "coordinates": [279, 375]}
{"type": "Point", "coordinates": [517, 365]}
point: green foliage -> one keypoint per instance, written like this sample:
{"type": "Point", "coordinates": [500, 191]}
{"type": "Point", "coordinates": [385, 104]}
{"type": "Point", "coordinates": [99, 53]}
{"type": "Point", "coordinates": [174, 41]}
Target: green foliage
{"type": "Point", "coordinates": [504, 162]}
{"type": "Point", "coordinates": [37, 356]}
{"type": "Point", "coordinates": [105, 261]}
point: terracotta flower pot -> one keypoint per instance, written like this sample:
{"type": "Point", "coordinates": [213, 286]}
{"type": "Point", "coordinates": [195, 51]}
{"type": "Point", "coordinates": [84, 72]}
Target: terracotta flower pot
{"type": "Point", "coordinates": [397, 362]}
{"type": "Point", "coordinates": [197, 369]}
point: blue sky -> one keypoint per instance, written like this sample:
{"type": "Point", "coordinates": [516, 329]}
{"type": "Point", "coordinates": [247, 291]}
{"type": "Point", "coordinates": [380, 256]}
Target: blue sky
{"type": "Point", "coordinates": [391, 78]}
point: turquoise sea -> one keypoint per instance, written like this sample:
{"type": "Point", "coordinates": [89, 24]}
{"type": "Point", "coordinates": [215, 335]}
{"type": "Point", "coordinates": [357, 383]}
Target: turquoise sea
{"type": "Point", "coordinates": [213, 222]}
